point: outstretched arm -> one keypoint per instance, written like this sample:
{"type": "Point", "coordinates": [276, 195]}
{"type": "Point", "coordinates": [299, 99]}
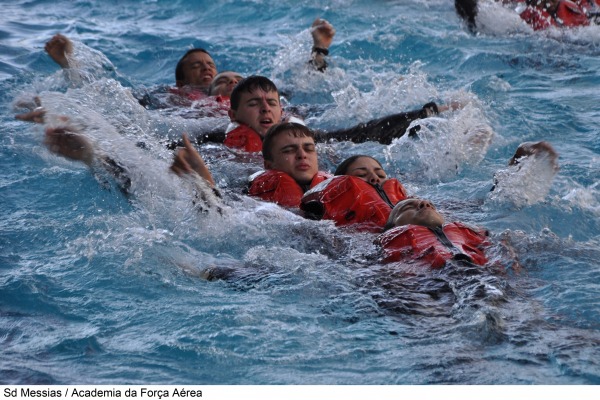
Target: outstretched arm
{"type": "Point", "coordinates": [382, 130]}
{"type": "Point", "coordinates": [63, 141]}
{"type": "Point", "coordinates": [322, 32]}
{"type": "Point", "coordinates": [67, 142]}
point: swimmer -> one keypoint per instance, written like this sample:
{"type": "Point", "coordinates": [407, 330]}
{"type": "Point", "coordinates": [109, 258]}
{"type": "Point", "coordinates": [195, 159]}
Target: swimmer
{"type": "Point", "coordinates": [223, 84]}
{"type": "Point", "coordinates": [360, 195]}
{"type": "Point", "coordinates": [417, 231]}
{"type": "Point", "coordinates": [197, 69]}
{"type": "Point", "coordinates": [255, 107]}
{"type": "Point", "coordinates": [539, 14]}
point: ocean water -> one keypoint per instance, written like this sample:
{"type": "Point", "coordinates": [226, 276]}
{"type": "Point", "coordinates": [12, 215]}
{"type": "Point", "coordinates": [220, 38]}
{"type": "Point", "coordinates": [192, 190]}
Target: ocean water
{"type": "Point", "coordinates": [99, 288]}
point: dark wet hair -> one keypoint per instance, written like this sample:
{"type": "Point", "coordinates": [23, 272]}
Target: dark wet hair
{"type": "Point", "coordinates": [295, 129]}
{"type": "Point", "coordinates": [179, 75]}
{"type": "Point", "coordinates": [248, 85]}
{"type": "Point", "coordinates": [342, 169]}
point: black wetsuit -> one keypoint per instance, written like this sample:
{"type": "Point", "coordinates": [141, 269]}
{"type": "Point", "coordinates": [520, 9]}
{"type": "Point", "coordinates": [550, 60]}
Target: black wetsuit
{"type": "Point", "coordinates": [383, 130]}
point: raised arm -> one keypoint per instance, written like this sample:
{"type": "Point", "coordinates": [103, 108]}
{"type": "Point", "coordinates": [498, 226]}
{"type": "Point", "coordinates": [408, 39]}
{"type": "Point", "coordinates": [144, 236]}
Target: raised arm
{"type": "Point", "coordinates": [322, 32]}
{"type": "Point", "coordinates": [187, 160]}
{"type": "Point", "coordinates": [59, 48]}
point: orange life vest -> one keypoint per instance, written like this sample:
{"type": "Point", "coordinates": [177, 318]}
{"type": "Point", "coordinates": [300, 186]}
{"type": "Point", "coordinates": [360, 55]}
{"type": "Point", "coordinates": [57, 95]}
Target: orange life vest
{"type": "Point", "coordinates": [349, 200]}
{"type": "Point", "coordinates": [568, 14]}
{"type": "Point", "coordinates": [415, 242]}
{"type": "Point", "coordinates": [278, 187]}
{"type": "Point", "coordinates": [244, 138]}
{"type": "Point", "coordinates": [189, 93]}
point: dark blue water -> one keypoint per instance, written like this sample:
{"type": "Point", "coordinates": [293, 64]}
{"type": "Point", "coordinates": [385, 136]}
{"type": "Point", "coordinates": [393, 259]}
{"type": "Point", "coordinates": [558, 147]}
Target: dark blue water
{"type": "Point", "coordinates": [97, 288]}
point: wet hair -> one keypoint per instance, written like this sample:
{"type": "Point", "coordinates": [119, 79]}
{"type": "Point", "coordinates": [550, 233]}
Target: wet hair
{"type": "Point", "coordinates": [293, 128]}
{"type": "Point", "coordinates": [248, 85]}
{"type": "Point", "coordinates": [213, 84]}
{"type": "Point", "coordinates": [179, 75]}
{"type": "Point", "coordinates": [342, 169]}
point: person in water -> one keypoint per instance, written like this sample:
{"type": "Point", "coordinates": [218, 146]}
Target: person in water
{"type": "Point", "coordinates": [255, 107]}
{"type": "Point", "coordinates": [539, 14]}
{"type": "Point", "coordinates": [292, 179]}
{"type": "Point", "coordinates": [416, 231]}
{"type": "Point", "coordinates": [360, 195]}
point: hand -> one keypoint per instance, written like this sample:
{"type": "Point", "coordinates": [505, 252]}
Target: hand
{"type": "Point", "coordinates": [187, 160]}
{"type": "Point", "coordinates": [322, 33]}
{"type": "Point", "coordinates": [58, 48]}
{"type": "Point", "coordinates": [535, 149]}
{"type": "Point", "coordinates": [71, 145]}
{"type": "Point", "coordinates": [37, 116]}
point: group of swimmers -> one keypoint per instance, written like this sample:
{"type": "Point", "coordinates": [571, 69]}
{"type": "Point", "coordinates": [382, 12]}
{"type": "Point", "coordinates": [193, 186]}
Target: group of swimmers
{"type": "Point", "coordinates": [359, 194]}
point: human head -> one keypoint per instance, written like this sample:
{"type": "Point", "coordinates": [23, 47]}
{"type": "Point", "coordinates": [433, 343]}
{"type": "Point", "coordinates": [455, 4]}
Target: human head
{"type": "Point", "coordinates": [414, 212]}
{"type": "Point", "coordinates": [290, 147]}
{"type": "Point", "coordinates": [364, 167]}
{"type": "Point", "coordinates": [196, 67]}
{"type": "Point", "coordinates": [223, 83]}
{"type": "Point", "coordinates": [255, 103]}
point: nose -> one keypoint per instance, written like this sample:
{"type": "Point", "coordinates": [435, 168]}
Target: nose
{"type": "Point", "coordinates": [425, 204]}
{"type": "Point", "coordinates": [264, 106]}
{"type": "Point", "coordinates": [374, 179]}
{"type": "Point", "coordinates": [301, 153]}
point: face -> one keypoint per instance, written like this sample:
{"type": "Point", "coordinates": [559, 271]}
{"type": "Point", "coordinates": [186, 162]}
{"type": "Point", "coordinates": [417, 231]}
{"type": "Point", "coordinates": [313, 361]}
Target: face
{"type": "Point", "coordinates": [296, 156]}
{"type": "Point", "coordinates": [259, 110]}
{"type": "Point", "coordinates": [368, 170]}
{"type": "Point", "coordinates": [198, 69]}
{"type": "Point", "coordinates": [224, 83]}
{"type": "Point", "coordinates": [416, 212]}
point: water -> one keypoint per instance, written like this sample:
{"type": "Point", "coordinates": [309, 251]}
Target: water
{"type": "Point", "coordinates": [97, 288]}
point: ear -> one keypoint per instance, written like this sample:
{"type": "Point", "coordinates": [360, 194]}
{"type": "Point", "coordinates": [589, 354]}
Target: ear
{"type": "Point", "coordinates": [268, 164]}
{"type": "Point", "coordinates": [231, 113]}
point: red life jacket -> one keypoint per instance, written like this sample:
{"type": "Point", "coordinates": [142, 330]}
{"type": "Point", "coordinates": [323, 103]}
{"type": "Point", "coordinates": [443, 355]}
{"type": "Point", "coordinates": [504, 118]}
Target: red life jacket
{"type": "Point", "coordinates": [244, 138]}
{"type": "Point", "coordinates": [278, 187]}
{"type": "Point", "coordinates": [568, 14]}
{"type": "Point", "coordinates": [415, 242]}
{"type": "Point", "coordinates": [189, 93]}
{"type": "Point", "coordinates": [349, 200]}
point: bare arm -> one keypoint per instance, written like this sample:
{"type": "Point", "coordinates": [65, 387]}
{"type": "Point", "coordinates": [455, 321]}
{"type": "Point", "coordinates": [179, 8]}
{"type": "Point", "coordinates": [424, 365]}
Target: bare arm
{"type": "Point", "coordinates": [66, 142]}
{"type": "Point", "coordinates": [322, 32]}
{"type": "Point", "coordinates": [59, 48]}
{"type": "Point", "coordinates": [187, 160]}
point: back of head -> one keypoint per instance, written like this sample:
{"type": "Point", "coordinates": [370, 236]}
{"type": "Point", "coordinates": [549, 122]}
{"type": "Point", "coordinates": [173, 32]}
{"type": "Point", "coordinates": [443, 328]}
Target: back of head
{"type": "Point", "coordinates": [179, 75]}
{"type": "Point", "coordinates": [249, 85]}
{"type": "Point", "coordinates": [291, 128]}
